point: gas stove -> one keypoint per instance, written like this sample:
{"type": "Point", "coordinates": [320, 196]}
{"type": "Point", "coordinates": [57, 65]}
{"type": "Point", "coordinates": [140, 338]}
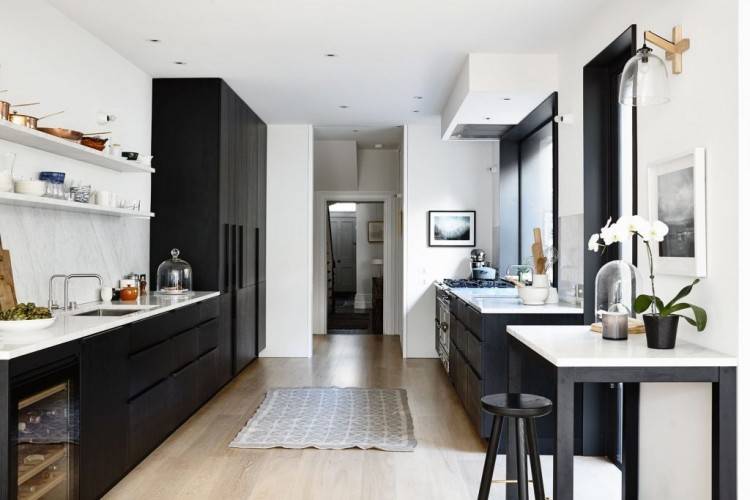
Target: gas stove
{"type": "Point", "coordinates": [465, 283]}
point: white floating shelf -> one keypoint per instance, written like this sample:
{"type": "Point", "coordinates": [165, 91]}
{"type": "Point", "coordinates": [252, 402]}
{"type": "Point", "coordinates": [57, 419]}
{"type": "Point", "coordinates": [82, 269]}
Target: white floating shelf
{"type": "Point", "coordinates": [69, 149]}
{"type": "Point", "coordinates": [25, 200]}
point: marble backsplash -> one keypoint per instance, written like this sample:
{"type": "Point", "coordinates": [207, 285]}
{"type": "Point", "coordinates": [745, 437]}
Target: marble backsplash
{"type": "Point", "coordinates": [570, 264]}
{"type": "Point", "coordinates": [43, 242]}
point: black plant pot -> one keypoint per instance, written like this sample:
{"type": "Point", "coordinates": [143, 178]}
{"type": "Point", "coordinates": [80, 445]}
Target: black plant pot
{"type": "Point", "coordinates": [661, 331]}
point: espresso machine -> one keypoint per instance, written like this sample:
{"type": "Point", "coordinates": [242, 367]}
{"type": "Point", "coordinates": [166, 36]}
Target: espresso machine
{"type": "Point", "coordinates": [480, 267]}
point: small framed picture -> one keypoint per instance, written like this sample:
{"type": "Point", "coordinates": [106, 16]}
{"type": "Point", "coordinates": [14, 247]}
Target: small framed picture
{"type": "Point", "coordinates": [375, 231]}
{"type": "Point", "coordinates": [677, 197]}
{"type": "Point", "coordinates": [452, 228]}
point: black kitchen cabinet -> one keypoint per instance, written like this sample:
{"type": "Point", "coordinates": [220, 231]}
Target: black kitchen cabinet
{"type": "Point", "coordinates": [478, 364]}
{"type": "Point", "coordinates": [104, 411]}
{"type": "Point", "coordinates": [208, 192]}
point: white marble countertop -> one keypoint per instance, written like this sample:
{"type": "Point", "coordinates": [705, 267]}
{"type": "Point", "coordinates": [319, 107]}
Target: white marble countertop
{"type": "Point", "coordinates": [506, 301]}
{"type": "Point", "coordinates": [70, 327]}
{"type": "Point", "coordinates": [578, 346]}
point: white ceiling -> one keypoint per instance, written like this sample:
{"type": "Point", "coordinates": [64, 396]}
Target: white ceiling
{"type": "Point", "coordinates": [366, 137]}
{"type": "Point", "coordinates": [272, 52]}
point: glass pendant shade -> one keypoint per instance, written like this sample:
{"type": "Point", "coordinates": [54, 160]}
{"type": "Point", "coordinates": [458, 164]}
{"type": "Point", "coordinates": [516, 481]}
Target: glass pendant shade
{"type": "Point", "coordinates": [644, 80]}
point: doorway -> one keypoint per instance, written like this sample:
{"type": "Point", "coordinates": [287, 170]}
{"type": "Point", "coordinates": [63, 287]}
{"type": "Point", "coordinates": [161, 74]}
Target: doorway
{"type": "Point", "coordinates": [354, 264]}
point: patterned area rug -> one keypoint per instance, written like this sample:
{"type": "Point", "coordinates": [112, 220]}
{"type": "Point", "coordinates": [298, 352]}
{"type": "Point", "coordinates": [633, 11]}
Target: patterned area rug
{"type": "Point", "coordinates": [330, 418]}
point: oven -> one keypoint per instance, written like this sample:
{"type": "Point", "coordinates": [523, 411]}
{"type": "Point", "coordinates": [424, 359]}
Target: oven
{"type": "Point", "coordinates": [443, 325]}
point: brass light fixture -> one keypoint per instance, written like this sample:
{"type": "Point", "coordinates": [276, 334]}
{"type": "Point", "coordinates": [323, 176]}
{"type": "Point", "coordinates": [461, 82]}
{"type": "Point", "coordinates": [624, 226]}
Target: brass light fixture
{"type": "Point", "coordinates": [644, 79]}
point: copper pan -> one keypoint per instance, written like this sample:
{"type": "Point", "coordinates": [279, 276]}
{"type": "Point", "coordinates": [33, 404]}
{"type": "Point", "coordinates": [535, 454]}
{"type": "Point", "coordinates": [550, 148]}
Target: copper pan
{"type": "Point", "coordinates": [28, 120]}
{"type": "Point", "coordinates": [5, 108]}
{"type": "Point", "coordinates": [66, 133]}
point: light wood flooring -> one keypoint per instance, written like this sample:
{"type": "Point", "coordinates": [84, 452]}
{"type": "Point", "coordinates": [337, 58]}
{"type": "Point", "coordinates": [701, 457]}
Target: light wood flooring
{"type": "Point", "coordinates": [196, 462]}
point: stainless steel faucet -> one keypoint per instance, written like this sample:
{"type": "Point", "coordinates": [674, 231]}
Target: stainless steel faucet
{"type": "Point", "coordinates": [72, 305]}
{"type": "Point", "coordinates": [51, 304]}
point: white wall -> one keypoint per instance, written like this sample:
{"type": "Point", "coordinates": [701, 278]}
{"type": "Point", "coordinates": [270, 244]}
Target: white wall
{"type": "Point", "coordinates": [440, 176]}
{"type": "Point", "coordinates": [702, 112]}
{"type": "Point", "coordinates": [289, 241]}
{"type": "Point", "coordinates": [335, 166]}
{"type": "Point", "coordinates": [366, 252]}
{"type": "Point", "coordinates": [64, 67]}
{"type": "Point", "coordinates": [378, 169]}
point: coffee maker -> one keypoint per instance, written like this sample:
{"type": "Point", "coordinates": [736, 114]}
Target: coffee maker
{"type": "Point", "coordinates": [480, 267]}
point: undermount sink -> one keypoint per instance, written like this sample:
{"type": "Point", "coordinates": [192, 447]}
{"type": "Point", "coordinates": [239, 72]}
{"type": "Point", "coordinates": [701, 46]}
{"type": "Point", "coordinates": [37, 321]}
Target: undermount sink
{"type": "Point", "coordinates": [101, 312]}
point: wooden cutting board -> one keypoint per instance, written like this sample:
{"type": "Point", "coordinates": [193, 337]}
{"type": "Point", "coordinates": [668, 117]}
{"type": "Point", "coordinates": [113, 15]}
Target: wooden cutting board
{"type": "Point", "coordinates": [7, 288]}
{"type": "Point", "coordinates": [634, 326]}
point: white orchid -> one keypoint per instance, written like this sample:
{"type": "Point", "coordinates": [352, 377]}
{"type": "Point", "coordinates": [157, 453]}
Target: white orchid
{"type": "Point", "coordinates": [656, 232]}
{"type": "Point", "coordinates": [615, 233]}
{"type": "Point", "coordinates": [594, 242]}
{"type": "Point", "coordinates": [634, 224]}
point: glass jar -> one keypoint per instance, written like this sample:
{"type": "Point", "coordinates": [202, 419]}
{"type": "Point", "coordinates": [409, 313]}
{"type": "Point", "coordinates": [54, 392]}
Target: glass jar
{"type": "Point", "coordinates": [174, 276]}
{"type": "Point", "coordinates": [616, 288]}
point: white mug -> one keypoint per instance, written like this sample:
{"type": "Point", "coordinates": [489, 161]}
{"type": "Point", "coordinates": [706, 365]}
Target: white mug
{"type": "Point", "coordinates": [106, 293]}
{"type": "Point", "coordinates": [104, 198]}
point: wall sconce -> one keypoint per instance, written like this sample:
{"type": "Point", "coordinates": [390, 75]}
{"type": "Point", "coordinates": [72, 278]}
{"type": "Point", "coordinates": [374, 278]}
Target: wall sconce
{"type": "Point", "coordinates": [644, 79]}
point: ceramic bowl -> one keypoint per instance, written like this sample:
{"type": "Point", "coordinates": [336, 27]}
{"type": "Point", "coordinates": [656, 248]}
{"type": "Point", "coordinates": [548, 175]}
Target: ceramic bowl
{"type": "Point", "coordinates": [533, 296]}
{"type": "Point", "coordinates": [31, 188]}
{"type": "Point", "coordinates": [26, 325]}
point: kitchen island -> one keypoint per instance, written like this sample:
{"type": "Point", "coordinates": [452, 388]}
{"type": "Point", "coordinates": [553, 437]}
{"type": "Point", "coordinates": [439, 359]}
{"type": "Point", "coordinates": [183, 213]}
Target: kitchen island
{"type": "Point", "coordinates": [471, 339]}
{"type": "Point", "coordinates": [84, 401]}
{"type": "Point", "coordinates": [576, 356]}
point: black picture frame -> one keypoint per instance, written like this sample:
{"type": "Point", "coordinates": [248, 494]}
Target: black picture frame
{"type": "Point", "coordinates": [449, 243]}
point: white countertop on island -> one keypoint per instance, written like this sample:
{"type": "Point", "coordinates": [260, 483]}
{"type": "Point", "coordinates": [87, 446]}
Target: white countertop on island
{"type": "Point", "coordinates": [578, 346]}
{"type": "Point", "coordinates": [70, 327]}
{"type": "Point", "coordinates": [506, 301]}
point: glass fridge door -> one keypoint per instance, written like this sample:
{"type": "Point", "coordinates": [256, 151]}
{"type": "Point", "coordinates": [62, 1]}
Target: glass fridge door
{"type": "Point", "coordinates": [46, 441]}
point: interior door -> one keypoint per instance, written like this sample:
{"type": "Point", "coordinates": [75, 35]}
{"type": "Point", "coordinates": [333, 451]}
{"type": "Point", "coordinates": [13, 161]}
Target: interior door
{"type": "Point", "coordinates": [344, 235]}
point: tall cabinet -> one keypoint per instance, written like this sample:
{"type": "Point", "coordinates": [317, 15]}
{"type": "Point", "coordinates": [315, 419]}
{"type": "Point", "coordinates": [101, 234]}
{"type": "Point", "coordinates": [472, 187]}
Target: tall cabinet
{"type": "Point", "coordinates": [209, 152]}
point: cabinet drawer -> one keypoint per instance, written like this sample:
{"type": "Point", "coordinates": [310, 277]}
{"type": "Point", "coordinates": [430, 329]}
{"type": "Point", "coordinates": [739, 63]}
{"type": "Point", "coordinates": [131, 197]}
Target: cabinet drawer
{"type": "Point", "coordinates": [183, 392]}
{"type": "Point", "coordinates": [148, 367]}
{"type": "Point", "coordinates": [474, 352]}
{"type": "Point", "coordinates": [153, 330]}
{"type": "Point", "coordinates": [209, 309]}
{"type": "Point", "coordinates": [456, 306]}
{"type": "Point", "coordinates": [474, 393]}
{"type": "Point", "coordinates": [149, 421]}
{"type": "Point", "coordinates": [208, 376]}
{"type": "Point", "coordinates": [458, 335]}
{"type": "Point", "coordinates": [473, 321]}
{"type": "Point", "coordinates": [185, 348]}
{"type": "Point", "coordinates": [208, 336]}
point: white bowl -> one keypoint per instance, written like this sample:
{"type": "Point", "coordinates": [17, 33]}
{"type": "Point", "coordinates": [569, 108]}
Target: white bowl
{"type": "Point", "coordinates": [31, 188]}
{"type": "Point", "coordinates": [533, 296]}
{"type": "Point", "coordinates": [26, 325]}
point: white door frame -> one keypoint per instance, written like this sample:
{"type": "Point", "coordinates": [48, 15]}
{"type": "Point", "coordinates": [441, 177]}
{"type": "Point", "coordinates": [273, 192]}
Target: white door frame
{"type": "Point", "coordinates": [320, 291]}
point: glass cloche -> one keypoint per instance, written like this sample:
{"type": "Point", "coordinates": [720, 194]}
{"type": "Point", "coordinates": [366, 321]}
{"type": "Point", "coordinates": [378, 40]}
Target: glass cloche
{"type": "Point", "coordinates": [616, 288]}
{"type": "Point", "coordinates": [174, 276]}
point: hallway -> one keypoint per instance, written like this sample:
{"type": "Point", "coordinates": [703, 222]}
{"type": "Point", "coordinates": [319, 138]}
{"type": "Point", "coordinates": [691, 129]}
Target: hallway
{"type": "Point", "coordinates": [197, 463]}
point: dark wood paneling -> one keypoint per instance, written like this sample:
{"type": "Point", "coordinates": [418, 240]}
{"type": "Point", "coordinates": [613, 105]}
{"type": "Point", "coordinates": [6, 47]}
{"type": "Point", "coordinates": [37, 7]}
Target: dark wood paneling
{"type": "Point", "coordinates": [104, 411]}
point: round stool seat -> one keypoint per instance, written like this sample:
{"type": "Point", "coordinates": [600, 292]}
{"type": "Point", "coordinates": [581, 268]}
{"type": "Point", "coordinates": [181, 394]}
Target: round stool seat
{"type": "Point", "coordinates": [516, 405]}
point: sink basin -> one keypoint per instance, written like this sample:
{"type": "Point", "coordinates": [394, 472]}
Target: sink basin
{"type": "Point", "coordinates": [107, 312]}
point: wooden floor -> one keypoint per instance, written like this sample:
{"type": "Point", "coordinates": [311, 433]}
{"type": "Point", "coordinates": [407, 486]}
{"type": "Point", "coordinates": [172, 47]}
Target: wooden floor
{"type": "Point", "coordinates": [197, 463]}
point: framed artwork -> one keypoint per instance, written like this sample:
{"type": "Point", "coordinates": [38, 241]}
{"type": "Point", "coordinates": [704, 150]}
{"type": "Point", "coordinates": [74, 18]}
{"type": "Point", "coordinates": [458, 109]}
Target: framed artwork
{"type": "Point", "coordinates": [375, 231]}
{"type": "Point", "coordinates": [451, 228]}
{"type": "Point", "coordinates": [677, 197]}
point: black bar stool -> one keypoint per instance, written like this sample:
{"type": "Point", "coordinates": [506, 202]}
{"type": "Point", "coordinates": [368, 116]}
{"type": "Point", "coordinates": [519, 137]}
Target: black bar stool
{"type": "Point", "coordinates": [525, 408]}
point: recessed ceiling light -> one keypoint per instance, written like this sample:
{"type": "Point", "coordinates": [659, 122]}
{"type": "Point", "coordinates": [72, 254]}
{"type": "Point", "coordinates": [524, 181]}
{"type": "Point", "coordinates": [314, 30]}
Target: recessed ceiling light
{"type": "Point", "coordinates": [378, 146]}
{"type": "Point", "coordinates": [418, 97]}
{"type": "Point", "coordinates": [153, 40]}
{"type": "Point", "coordinates": [415, 111]}
{"type": "Point", "coordinates": [487, 118]}
{"type": "Point", "coordinates": [343, 106]}
{"type": "Point", "coordinates": [180, 63]}
{"type": "Point", "coordinates": [331, 54]}
{"type": "Point", "coordinates": [355, 130]}
{"type": "Point", "coordinates": [506, 98]}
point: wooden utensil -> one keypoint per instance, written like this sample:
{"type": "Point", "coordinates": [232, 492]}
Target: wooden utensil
{"type": "Point", "coordinates": [537, 252]}
{"type": "Point", "coordinates": [7, 288]}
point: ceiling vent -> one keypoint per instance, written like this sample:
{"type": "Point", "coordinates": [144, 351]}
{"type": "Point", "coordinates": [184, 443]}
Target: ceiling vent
{"type": "Point", "coordinates": [479, 131]}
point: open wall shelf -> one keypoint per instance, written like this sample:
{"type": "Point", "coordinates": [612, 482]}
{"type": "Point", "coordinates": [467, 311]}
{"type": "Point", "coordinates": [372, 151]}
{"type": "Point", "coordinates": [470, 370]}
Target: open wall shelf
{"type": "Point", "coordinates": [25, 200]}
{"type": "Point", "coordinates": [51, 144]}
